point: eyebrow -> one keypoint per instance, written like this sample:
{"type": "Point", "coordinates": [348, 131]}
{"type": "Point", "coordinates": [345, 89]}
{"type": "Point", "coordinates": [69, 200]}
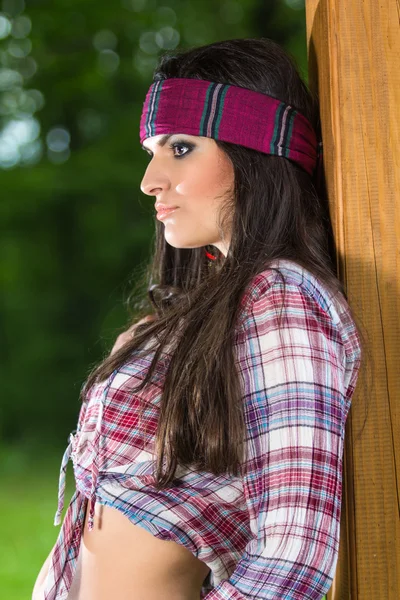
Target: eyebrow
{"type": "Point", "coordinates": [161, 142]}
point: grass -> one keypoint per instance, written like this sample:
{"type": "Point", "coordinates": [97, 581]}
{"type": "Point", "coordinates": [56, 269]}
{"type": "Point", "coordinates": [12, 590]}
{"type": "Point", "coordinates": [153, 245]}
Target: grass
{"type": "Point", "coordinates": [28, 502]}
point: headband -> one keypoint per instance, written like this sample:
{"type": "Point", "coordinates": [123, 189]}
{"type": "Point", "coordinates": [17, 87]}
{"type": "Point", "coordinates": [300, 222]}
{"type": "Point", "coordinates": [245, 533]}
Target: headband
{"type": "Point", "coordinates": [231, 114]}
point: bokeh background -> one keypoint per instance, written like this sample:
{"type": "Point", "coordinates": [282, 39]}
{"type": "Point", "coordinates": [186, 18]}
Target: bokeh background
{"type": "Point", "coordinates": [76, 230]}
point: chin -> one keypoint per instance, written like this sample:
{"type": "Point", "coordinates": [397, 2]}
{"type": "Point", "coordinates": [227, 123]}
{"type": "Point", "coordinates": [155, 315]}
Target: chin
{"type": "Point", "coordinates": [184, 244]}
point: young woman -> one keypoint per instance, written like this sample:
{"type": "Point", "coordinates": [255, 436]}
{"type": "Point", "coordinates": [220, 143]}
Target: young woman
{"type": "Point", "coordinates": [208, 451]}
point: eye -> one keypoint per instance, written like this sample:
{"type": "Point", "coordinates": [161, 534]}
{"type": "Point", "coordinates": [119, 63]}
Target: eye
{"type": "Point", "coordinates": [182, 144]}
{"type": "Point", "coordinates": [178, 144]}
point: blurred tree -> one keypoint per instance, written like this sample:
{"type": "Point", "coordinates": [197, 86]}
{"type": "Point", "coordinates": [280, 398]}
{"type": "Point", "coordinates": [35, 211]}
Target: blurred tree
{"type": "Point", "coordinates": [75, 229]}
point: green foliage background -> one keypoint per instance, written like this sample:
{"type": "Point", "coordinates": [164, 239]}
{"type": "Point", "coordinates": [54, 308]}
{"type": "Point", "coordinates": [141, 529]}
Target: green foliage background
{"type": "Point", "coordinates": [74, 233]}
{"type": "Point", "coordinates": [76, 230]}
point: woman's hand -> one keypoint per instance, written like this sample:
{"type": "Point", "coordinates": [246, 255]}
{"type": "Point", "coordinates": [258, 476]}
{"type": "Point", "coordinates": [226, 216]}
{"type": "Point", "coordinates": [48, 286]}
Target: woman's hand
{"type": "Point", "coordinates": [127, 335]}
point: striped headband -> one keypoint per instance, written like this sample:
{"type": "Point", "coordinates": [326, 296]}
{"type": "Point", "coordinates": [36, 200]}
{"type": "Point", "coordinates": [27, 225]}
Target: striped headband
{"type": "Point", "coordinates": [230, 114]}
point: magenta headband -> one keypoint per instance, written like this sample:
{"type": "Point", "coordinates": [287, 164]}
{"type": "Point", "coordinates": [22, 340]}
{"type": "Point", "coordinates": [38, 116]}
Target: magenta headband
{"type": "Point", "coordinates": [230, 114]}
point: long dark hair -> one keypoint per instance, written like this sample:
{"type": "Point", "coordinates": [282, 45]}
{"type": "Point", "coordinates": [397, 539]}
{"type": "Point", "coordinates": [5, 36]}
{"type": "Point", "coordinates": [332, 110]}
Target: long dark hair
{"type": "Point", "coordinates": [277, 212]}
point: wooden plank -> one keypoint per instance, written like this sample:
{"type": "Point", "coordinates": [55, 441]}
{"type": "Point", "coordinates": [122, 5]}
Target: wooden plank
{"type": "Point", "coordinates": [354, 66]}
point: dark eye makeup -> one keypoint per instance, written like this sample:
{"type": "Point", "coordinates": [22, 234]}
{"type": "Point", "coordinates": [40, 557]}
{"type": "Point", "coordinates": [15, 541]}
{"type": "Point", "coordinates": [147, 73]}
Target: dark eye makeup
{"type": "Point", "coordinates": [182, 143]}
{"type": "Point", "coordinates": [178, 144]}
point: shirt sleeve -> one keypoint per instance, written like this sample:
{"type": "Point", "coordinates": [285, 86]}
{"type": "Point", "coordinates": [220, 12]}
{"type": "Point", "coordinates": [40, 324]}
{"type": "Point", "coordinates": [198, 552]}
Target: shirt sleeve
{"type": "Point", "coordinates": [296, 407]}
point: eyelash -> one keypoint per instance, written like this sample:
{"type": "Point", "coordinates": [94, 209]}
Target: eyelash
{"type": "Point", "coordinates": [178, 143]}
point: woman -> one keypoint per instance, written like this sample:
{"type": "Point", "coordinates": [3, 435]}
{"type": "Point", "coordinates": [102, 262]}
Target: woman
{"type": "Point", "coordinates": [208, 452]}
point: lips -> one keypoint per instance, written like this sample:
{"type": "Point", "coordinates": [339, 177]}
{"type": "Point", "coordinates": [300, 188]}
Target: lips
{"type": "Point", "coordinates": [159, 206]}
{"type": "Point", "coordinates": [164, 212]}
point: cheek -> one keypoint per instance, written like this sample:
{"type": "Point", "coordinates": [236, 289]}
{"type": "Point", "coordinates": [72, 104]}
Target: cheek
{"type": "Point", "coordinates": [194, 185]}
{"type": "Point", "coordinates": [205, 181]}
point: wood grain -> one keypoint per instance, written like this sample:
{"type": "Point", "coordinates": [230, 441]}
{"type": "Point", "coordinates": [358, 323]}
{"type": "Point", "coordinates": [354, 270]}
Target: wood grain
{"type": "Point", "coordinates": [354, 65]}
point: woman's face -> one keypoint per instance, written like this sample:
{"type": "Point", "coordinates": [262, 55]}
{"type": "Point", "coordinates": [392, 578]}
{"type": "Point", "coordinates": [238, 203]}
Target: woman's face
{"type": "Point", "coordinates": [191, 173]}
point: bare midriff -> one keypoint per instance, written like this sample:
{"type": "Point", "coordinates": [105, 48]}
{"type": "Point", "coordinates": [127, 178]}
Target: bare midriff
{"type": "Point", "coordinates": [118, 559]}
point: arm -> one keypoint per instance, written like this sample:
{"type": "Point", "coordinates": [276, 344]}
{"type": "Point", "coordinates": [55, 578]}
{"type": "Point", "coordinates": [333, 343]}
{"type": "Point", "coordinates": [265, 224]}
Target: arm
{"type": "Point", "coordinates": [296, 411]}
{"type": "Point", "coordinates": [37, 592]}
{"type": "Point", "coordinates": [126, 336]}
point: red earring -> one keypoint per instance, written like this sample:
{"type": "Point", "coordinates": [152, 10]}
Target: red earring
{"type": "Point", "coordinates": [211, 256]}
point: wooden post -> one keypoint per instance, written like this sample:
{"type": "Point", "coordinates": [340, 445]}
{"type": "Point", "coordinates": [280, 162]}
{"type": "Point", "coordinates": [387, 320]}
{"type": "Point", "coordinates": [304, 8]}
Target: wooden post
{"type": "Point", "coordinates": [354, 66]}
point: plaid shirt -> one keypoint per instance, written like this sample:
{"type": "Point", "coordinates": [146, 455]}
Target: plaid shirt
{"type": "Point", "coordinates": [272, 533]}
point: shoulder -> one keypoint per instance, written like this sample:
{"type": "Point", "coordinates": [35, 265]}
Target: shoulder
{"type": "Point", "coordinates": [287, 273]}
{"type": "Point", "coordinates": [305, 302]}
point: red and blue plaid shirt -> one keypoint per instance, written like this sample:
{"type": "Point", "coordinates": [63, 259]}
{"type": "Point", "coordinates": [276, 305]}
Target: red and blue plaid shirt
{"type": "Point", "coordinates": [274, 532]}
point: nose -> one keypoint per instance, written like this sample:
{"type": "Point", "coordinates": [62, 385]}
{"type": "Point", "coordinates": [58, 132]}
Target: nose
{"type": "Point", "coordinates": [154, 182]}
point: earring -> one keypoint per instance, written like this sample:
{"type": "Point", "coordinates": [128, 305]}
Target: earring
{"type": "Point", "coordinates": [211, 256]}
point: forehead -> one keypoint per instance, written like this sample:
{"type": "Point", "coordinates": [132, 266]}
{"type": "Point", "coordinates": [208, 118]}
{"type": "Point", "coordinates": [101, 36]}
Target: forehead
{"type": "Point", "coordinates": [162, 139]}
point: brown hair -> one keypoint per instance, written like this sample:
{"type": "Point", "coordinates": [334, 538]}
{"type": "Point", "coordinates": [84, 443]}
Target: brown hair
{"type": "Point", "coordinates": [276, 212]}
